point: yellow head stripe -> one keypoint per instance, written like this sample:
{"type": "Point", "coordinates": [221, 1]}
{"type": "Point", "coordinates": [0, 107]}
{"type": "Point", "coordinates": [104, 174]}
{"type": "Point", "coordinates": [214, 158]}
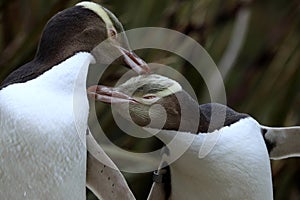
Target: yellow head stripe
{"type": "Point", "coordinates": [99, 11]}
{"type": "Point", "coordinates": [170, 90]}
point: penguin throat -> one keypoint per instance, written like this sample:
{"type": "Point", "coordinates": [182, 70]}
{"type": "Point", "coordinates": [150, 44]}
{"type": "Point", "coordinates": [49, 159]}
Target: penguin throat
{"type": "Point", "coordinates": [69, 74]}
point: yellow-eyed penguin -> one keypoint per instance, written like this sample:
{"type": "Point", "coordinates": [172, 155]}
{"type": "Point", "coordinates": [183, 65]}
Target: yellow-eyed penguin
{"type": "Point", "coordinates": [42, 136]}
{"type": "Point", "coordinates": [237, 167]}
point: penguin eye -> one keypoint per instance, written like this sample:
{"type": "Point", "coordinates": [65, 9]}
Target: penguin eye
{"type": "Point", "coordinates": [149, 97]}
{"type": "Point", "coordinates": [112, 33]}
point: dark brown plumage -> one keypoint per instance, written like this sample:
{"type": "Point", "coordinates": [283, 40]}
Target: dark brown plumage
{"type": "Point", "coordinates": [73, 30]}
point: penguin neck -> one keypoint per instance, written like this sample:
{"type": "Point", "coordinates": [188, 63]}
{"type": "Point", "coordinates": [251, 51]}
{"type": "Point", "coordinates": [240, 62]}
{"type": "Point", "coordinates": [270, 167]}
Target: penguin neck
{"type": "Point", "coordinates": [69, 74]}
{"type": "Point", "coordinates": [39, 67]}
{"type": "Point", "coordinates": [182, 113]}
{"type": "Point", "coordinates": [190, 114]}
{"type": "Point", "coordinates": [185, 114]}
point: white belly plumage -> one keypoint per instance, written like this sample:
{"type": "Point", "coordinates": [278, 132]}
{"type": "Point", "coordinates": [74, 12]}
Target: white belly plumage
{"type": "Point", "coordinates": [42, 141]}
{"type": "Point", "coordinates": [238, 166]}
{"type": "Point", "coordinates": [41, 154]}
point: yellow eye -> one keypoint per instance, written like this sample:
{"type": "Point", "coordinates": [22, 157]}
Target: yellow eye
{"type": "Point", "coordinates": [113, 33]}
{"type": "Point", "coordinates": [149, 97]}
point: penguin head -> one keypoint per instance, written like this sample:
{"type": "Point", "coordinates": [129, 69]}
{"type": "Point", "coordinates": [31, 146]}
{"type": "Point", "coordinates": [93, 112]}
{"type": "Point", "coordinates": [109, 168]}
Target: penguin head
{"type": "Point", "coordinates": [86, 27]}
{"type": "Point", "coordinates": [146, 97]}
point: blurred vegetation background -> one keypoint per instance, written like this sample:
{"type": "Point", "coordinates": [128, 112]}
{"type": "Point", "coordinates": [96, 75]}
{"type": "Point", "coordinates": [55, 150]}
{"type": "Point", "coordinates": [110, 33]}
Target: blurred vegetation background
{"type": "Point", "coordinates": [254, 43]}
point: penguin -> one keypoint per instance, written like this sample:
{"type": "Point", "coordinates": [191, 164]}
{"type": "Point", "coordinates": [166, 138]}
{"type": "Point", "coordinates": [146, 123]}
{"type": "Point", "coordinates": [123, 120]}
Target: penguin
{"type": "Point", "coordinates": [237, 167]}
{"type": "Point", "coordinates": [44, 110]}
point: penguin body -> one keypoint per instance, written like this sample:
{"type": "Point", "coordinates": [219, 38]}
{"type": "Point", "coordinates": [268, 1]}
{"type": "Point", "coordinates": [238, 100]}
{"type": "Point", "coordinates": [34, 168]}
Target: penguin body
{"type": "Point", "coordinates": [236, 164]}
{"type": "Point", "coordinates": [44, 110]}
{"type": "Point", "coordinates": [42, 144]}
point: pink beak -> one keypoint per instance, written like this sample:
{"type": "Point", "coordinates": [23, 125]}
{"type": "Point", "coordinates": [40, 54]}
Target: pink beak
{"type": "Point", "coordinates": [133, 61]}
{"type": "Point", "coordinates": [108, 95]}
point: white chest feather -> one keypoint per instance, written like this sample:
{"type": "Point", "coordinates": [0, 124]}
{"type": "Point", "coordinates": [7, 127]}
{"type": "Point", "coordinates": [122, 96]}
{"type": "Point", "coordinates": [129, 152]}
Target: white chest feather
{"type": "Point", "coordinates": [238, 166]}
{"type": "Point", "coordinates": [42, 135]}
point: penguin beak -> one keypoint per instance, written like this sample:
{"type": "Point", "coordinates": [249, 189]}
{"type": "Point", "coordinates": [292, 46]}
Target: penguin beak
{"type": "Point", "coordinates": [133, 61]}
{"type": "Point", "coordinates": [108, 95]}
